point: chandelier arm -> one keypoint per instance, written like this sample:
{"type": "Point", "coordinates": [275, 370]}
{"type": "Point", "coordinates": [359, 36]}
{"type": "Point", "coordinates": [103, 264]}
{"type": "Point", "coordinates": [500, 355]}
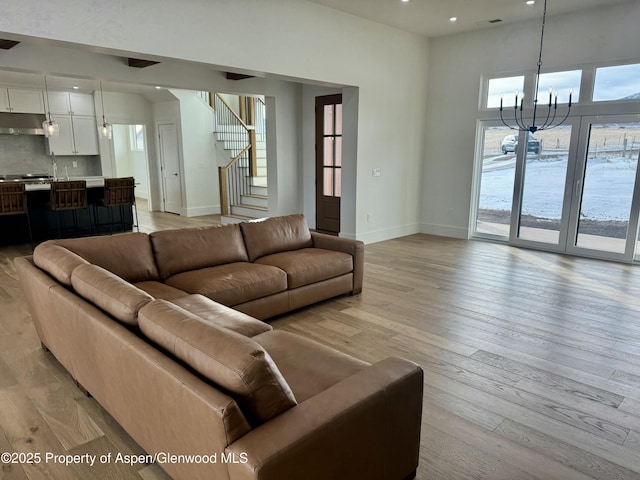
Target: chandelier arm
{"type": "Point", "coordinates": [547, 121]}
{"type": "Point", "coordinates": [520, 122]}
{"type": "Point", "coordinates": [505, 123]}
{"type": "Point", "coordinates": [561, 122]}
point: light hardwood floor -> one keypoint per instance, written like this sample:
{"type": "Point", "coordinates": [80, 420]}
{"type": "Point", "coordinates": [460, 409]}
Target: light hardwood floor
{"type": "Point", "coordinates": [531, 361]}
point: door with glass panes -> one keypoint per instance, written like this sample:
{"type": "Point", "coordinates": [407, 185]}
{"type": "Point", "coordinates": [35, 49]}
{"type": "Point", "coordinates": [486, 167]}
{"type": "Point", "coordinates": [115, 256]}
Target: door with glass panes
{"type": "Point", "coordinates": [574, 188]}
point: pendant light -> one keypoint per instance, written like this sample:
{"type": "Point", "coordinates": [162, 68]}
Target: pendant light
{"type": "Point", "coordinates": [51, 127]}
{"type": "Point", "coordinates": [105, 130]}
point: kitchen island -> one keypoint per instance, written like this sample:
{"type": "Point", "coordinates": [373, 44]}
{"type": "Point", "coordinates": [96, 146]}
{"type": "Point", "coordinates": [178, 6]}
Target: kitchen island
{"type": "Point", "coordinates": [93, 220]}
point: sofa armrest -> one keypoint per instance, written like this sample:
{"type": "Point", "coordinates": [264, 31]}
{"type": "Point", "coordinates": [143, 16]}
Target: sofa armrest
{"type": "Point", "coordinates": [366, 426]}
{"type": "Point", "coordinates": [355, 248]}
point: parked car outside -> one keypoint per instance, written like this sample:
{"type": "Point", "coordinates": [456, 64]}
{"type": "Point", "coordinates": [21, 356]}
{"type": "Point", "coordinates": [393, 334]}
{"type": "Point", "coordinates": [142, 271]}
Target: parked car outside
{"type": "Point", "coordinates": [510, 144]}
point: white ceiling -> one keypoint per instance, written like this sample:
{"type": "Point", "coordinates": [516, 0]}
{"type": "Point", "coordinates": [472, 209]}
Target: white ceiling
{"type": "Point", "coordinates": [85, 85]}
{"type": "Point", "coordinates": [431, 17]}
{"type": "Point", "coordinates": [425, 17]}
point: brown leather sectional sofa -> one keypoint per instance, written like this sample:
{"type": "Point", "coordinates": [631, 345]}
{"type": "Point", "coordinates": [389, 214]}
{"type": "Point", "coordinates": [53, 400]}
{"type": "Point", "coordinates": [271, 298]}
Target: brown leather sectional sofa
{"type": "Point", "coordinates": [144, 324]}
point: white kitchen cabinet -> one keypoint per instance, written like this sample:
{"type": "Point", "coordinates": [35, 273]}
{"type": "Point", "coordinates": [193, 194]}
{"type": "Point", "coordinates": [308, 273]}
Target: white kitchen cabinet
{"type": "Point", "coordinates": [21, 100]}
{"type": "Point", "coordinates": [71, 103]}
{"type": "Point", "coordinates": [78, 136]}
{"type": "Point", "coordinates": [85, 135]}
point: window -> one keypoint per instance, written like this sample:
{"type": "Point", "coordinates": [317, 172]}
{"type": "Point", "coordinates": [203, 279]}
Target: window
{"type": "Point", "coordinates": [506, 87]}
{"type": "Point", "coordinates": [561, 82]}
{"type": "Point", "coordinates": [621, 82]}
{"type": "Point", "coordinates": [136, 137]}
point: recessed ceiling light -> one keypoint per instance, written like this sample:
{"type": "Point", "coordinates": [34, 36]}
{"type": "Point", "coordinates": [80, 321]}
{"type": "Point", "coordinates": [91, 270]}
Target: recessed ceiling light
{"type": "Point", "coordinates": [405, 1]}
{"type": "Point", "coordinates": [530, 2]}
{"type": "Point", "coordinates": [453, 19]}
{"type": "Point", "coordinates": [158, 87]}
{"type": "Point", "coordinates": [75, 87]}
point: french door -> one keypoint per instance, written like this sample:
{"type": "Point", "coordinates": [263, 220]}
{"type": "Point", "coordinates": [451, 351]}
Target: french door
{"type": "Point", "coordinates": [328, 163]}
{"type": "Point", "coordinates": [577, 188]}
{"type": "Point", "coordinates": [574, 188]}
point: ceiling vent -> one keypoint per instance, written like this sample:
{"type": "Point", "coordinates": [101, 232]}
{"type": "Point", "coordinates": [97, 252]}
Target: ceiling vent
{"type": "Point", "coordinates": [7, 44]}
{"type": "Point", "coordinates": [237, 76]}
{"type": "Point", "coordinates": [139, 63]}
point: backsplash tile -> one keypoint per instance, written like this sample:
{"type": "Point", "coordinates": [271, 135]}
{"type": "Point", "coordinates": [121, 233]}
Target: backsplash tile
{"type": "Point", "coordinates": [27, 154]}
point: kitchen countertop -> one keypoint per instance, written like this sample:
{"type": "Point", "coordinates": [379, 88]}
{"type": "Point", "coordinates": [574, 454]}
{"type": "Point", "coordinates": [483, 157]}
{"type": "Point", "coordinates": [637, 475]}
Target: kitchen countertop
{"type": "Point", "coordinates": [91, 182]}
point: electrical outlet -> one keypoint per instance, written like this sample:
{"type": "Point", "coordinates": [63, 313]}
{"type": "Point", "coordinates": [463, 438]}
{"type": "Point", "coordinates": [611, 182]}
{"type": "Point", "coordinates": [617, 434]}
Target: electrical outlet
{"type": "Point", "coordinates": [75, 164]}
{"type": "Point", "coordinates": [376, 172]}
{"type": "Point", "coordinates": [369, 217]}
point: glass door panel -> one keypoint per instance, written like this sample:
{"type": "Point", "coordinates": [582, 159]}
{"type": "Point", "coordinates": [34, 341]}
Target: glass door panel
{"type": "Point", "coordinates": [608, 184]}
{"type": "Point", "coordinates": [495, 192]}
{"type": "Point", "coordinates": [546, 161]}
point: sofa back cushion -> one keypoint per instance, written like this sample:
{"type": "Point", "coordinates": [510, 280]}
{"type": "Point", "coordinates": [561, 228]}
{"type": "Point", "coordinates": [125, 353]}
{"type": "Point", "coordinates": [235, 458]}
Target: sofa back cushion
{"type": "Point", "coordinates": [275, 234]}
{"type": "Point", "coordinates": [57, 261]}
{"type": "Point", "coordinates": [194, 248]}
{"type": "Point", "coordinates": [109, 292]}
{"type": "Point", "coordinates": [128, 255]}
{"type": "Point", "coordinates": [232, 361]}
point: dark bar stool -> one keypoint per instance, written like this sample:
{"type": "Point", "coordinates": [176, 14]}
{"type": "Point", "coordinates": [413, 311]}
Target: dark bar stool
{"type": "Point", "coordinates": [13, 201]}
{"type": "Point", "coordinates": [118, 192]}
{"type": "Point", "coordinates": [68, 195]}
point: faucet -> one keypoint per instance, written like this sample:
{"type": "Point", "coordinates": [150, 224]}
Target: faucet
{"type": "Point", "coordinates": [54, 167]}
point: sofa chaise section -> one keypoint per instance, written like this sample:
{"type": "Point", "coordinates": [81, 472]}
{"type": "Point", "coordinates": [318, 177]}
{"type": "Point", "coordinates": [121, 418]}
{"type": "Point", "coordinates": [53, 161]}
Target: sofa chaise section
{"type": "Point", "coordinates": [191, 376]}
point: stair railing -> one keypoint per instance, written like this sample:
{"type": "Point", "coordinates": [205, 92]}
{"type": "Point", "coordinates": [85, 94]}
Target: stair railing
{"type": "Point", "coordinates": [235, 176]}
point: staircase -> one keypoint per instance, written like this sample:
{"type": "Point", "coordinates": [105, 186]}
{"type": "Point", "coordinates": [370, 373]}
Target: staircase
{"type": "Point", "coordinates": [243, 177]}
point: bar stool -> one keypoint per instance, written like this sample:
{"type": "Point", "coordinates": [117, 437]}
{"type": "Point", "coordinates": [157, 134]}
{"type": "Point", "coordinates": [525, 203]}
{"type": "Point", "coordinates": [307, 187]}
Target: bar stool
{"type": "Point", "coordinates": [68, 195]}
{"type": "Point", "coordinates": [13, 201]}
{"type": "Point", "coordinates": [118, 192]}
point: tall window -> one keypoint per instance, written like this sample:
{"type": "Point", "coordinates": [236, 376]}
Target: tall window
{"type": "Point", "coordinates": [136, 136]}
{"type": "Point", "coordinates": [571, 188]}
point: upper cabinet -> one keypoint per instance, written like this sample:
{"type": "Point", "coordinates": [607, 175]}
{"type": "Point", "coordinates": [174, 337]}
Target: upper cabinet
{"type": "Point", "coordinates": [21, 100]}
{"type": "Point", "coordinates": [78, 136]}
{"type": "Point", "coordinates": [70, 103]}
{"type": "Point", "coordinates": [75, 114]}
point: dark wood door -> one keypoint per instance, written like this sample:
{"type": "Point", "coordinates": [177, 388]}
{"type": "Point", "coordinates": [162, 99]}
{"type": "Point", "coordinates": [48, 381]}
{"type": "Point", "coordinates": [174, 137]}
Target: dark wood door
{"type": "Point", "coordinates": [328, 162]}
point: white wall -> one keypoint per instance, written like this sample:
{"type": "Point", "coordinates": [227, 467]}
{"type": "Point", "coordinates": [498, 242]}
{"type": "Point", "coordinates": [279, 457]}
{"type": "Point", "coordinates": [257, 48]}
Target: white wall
{"type": "Point", "coordinates": [456, 65]}
{"type": "Point", "coordinates": [291, 39]}
{"type": "Point", "coordinates": [200, 171]}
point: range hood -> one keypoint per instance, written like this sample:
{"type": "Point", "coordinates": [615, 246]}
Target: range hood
{"type": "Point", "coordinates": [21, 123]}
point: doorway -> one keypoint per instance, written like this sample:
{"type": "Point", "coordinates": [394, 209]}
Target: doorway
{"type": "Point", "coordinates": [575, 188]}
{"type": "Point", "coordinates": [131, 159]}
{"type": "Point", "coordinates": [328, 163]}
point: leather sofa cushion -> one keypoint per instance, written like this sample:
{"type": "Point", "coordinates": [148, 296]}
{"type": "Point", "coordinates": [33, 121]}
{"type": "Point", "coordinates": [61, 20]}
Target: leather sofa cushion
{"type": "Point", "coordinates": [230, 360]}
{"type": "Point", "coordinates": [128, 255]}
{"type": "Point", "coordinates": [276, 234]}
{"type": "Point", "coordinates": [160, 290]}
{"type": "Point", "coordinates": [194, 248]}
{"type": "Point", "coordinates": [57, 261]}
{"type": "Point", "coordinates": [232, 283]}
{"type": "Point", "coordinates": [308, 367]}
{"type": "Point", "coordinates": [109, 292]}
{"type": "Point", "coordinates": [222, 316]}
{"type": "Point", "coordinates": [309, 265]}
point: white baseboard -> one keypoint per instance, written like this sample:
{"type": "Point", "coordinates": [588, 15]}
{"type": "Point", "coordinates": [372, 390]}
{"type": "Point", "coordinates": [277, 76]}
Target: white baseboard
{"type": "Point", "coordinates": [200, 211]}
{"type": "Point", "coordinates": [388, 233]}
{"type": "Point", "coordinates": [444, 230]}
